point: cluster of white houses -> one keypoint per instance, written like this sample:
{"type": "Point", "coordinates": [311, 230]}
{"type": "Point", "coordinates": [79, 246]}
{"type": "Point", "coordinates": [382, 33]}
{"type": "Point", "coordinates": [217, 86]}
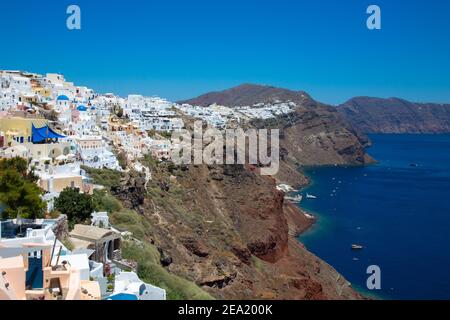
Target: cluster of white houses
{"type": "Point", "coordinates": [60, 127]}
{"type": "Point", "coordinates": [222, 117]}
{"type": "Point", "coordinates": [87, 122]}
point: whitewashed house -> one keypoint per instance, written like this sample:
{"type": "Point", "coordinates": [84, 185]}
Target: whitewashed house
{"type": "Point", "coordinates": [129, 283]}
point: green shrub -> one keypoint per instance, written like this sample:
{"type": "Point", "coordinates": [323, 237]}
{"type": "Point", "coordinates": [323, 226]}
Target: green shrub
{"type": "Point", "coordinates": [75, 205]}
{"type": "Point", "coordinates": [104, 201]}
{"type": "Point", "coordinates": [151, 271]}
{"type": "Point", "coordinates": [19, 193]}
{"type": "Point", "coordinates": [104, 177]}
{"type": "Point", "coordinates": [131, 221]}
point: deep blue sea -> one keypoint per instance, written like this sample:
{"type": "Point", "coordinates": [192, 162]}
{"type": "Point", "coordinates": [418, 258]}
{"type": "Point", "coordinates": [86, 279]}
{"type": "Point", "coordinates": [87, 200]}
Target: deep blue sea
{"type": "Point", "coordinates": [398, 212]}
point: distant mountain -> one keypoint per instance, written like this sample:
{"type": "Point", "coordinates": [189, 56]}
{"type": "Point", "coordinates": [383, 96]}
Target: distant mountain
{"type": "Point", "coordinates": [376, 115]}
{"type": "Point", "coordinates": [315, 134]}
{"type": "Point", "coordinates": [248, 95]}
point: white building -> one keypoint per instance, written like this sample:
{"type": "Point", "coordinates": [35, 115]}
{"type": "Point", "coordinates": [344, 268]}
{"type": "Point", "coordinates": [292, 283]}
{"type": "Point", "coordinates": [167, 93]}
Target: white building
{"type": "Point", "coordinates": [100, 219]}
{"type": "Point", "coordinates": [63, 102]}
{"type": "Point", "coordinates": [20, 84]}
{"type": "Point", "coordinates": [129, 283]}
{"type": "Point", "coordinates": [94, 154]}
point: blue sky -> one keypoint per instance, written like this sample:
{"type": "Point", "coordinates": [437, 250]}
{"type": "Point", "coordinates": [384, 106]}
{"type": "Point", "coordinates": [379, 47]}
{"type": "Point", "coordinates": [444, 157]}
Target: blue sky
{"type": "Point", "coordinates": [180, 49]}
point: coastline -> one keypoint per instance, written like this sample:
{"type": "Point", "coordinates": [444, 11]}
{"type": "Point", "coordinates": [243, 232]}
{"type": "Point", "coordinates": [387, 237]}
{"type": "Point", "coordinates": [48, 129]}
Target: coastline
{"type": "Point", "coordinates": [361, 291]}
{"type": "Point", "coordinates": [299, 224]}
{"type": "Point", "coordinates": [331, 279]}
{"type": "Point", "coordinates": [307, 225]}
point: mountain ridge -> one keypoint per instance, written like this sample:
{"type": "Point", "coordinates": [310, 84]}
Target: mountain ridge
{"type": "Point", "coordinates": [247, 94]}
{"type": "Point", "coordinates": [395, 115]}
{"type": "Point", "coordinates": [364, 113]}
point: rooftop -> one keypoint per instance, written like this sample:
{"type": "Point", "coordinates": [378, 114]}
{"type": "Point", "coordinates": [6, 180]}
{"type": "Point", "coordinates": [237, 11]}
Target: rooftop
{"type": "Point", "coordinates": [91, 233]}
{"type": "Point", "coordinates": [63, 98]}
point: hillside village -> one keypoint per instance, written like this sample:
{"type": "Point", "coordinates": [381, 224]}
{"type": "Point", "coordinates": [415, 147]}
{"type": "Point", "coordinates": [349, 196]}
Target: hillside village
{"type": "Point", "coordinates": [63, 131]}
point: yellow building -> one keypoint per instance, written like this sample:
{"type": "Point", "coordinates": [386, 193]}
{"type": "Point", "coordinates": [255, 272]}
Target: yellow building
{"type": "Point", "coordinates": [19, 129]}
{"type": "Point", "coordinates": [19, 132]}
{"type": "Point", "coordinates": [58, 182]}
{"type": "Point", "coordinates": [29, 98]}
{"type": "Point", "coordinates": [43, 92]}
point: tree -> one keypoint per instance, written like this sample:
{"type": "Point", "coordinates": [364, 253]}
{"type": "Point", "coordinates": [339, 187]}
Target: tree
{"type": "Point", "coordinates": [19, 193]}
{"type": "Point", "coordinates": [21, 166]}
{"type": "Point", "coordinates": [75, 205]}
{"type": "Point", "coordinates": [122, 158]}
{"type": "Point", "coordinates": [117, 110]}
{"type": "Point", "coordinates": [120, 113]}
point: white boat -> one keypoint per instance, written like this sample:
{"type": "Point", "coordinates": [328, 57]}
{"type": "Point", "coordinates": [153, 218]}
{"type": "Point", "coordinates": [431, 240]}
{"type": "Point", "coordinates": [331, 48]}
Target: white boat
{"type": "Point", "coordinates": [285, 188]}
{"type": "Point", "coordinates": [357, 247]}
{"type": "Point", "coordinates": [295, 199]}
{"type": "Point", "coordinates": [310, 196]}
{"type": "Point", "coordinates": [309, 216]}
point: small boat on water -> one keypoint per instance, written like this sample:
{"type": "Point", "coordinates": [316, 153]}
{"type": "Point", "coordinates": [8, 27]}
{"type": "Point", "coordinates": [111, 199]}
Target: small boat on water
{"type": "Point", "coordinates": [310, 196]}
{"type": "Point", "coordinates": [295, 199]}
{"type": "Point", "coordinates": [285, 188]}
{"type": "Point", "coordinates": [309, 216]}
{"type": "Point", "coordinates": [357, 247]}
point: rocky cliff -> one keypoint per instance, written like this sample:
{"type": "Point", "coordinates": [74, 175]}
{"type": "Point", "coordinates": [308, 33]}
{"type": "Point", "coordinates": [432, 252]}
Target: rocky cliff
{"type": "Point", "coordinates": [228, 229]}
{"type": "Point", "coordinates": [375, 115]}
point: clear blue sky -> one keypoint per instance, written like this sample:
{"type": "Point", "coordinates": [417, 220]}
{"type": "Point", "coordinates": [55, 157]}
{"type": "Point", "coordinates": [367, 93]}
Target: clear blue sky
{"type": "Point", "coordinates": [179, 49]}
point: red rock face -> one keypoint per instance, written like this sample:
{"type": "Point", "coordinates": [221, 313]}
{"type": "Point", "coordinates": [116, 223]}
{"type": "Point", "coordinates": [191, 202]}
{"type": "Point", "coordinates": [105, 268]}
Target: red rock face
{"type": "Point", "coordinates": [234, 236]}
{"type": "Point", "coordinates": [264, 227]}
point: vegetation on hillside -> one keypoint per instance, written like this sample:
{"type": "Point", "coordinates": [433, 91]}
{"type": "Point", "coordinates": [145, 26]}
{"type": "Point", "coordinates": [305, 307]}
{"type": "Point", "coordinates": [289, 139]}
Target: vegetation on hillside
{"type": "Point", "coordinates": [75, 205]}
{"type": "Point", "coordinates": [142, 251]}
{"type": "Point", "coordinates": [151, 271]}
{"type": "Point", "coordinates": [19, 193]}
{"type": "Point", "coordinates": [104, 177]}
{"type": "Point", "coordinates": [122, 159]}
{"type": "Point", "coordinates": [104, 201]}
